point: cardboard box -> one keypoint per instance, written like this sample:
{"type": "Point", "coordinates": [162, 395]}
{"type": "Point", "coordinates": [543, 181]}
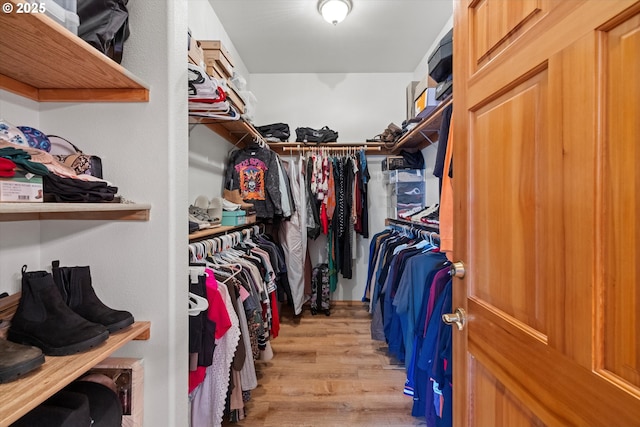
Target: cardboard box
{"type": "Point", "coordinates": [411, 110]}
{"type": "Point", "coordinates": [23, 187]}
{"type": "Point", "coordinates": [426, 102]}
{"type": "Point", "coordinates": [128, 374]}
{"type": "Point", "coordinates": [216, 55]}
{"type": "Point", "coordinates": [195, 53]}
{"type": "Point", "coordinates": [235, 98]}
{"type": "Point", "coordinates": [422, 85]}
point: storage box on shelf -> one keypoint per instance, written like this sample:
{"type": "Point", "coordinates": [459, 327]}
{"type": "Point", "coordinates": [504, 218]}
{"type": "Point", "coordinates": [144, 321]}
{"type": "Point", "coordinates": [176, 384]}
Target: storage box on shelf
{"type": "Point", "coordinates": [219, 65]}
{"type": "Point", "coordinates": [195, 54]}
{"type": "Point", "coordinates": [238, 217]}
{"type": "Point", "coordinates": [23, 187]}
{"type": "Point", "coordinates": [218, 57]}
{"type": "Point", "coordinates": [405, 190]}
{"type": "Point", "coordinates": [128, 374]}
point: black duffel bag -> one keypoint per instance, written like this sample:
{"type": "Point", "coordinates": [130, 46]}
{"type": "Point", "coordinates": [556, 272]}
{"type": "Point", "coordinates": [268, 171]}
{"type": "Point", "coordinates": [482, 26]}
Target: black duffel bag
{"type": "Point", "coordinates": [279, 131]}
{"type": "Point", "coordinates": [318, 136]}
{"type": "Point", "coordinates": [104, 24]}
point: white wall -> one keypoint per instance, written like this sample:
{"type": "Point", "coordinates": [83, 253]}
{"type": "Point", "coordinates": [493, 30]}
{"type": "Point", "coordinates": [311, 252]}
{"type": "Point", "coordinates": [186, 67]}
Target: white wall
{"type": "Point", "coordinates": [208, 151]}
{"type": "Point", "coordinates": [18, 240]}
{"type": "Point", "coordinates": [137, 266]}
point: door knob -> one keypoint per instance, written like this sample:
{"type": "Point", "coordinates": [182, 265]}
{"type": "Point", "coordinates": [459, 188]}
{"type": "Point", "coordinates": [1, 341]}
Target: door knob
{"type": "Point", "coordinates": [459, 318]}
{"type": "Point", "coordinates": [457, 269]}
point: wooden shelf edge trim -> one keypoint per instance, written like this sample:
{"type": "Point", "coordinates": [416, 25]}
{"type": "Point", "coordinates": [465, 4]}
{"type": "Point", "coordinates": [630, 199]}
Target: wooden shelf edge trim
{"type": "Point", "coordinates": [213, 232]}
{"type": "Point", "coordinates": [18, 88]}
{"type": "Point", "coordinates": [74, 211]}
{"type": "Point", "coordinates": [94, 95]}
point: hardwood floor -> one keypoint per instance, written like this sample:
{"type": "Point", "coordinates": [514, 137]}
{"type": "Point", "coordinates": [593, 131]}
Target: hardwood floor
{"type": "Point", "coordinates": [328, 372]}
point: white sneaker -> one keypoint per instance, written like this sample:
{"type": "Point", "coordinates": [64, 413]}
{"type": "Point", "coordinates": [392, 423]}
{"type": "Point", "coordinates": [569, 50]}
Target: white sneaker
{"type": "Point", "coordinates": [229, 206]}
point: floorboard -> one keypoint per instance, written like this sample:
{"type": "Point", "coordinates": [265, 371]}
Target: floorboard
{"type": "Point", "coordinates": [328, 372]}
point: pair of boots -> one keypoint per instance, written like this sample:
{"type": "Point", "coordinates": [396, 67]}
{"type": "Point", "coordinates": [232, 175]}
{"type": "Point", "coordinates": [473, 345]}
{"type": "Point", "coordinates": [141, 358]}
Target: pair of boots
{"type": "Point", "coordinates": [80, 404]}
{"type": "Point", "coordinates": [61, 314]}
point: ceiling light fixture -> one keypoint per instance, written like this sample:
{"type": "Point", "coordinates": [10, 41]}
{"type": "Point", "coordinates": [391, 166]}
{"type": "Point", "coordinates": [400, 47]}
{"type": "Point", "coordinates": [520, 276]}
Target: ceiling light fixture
{"type": "Point", "coordinates": [334, 11]}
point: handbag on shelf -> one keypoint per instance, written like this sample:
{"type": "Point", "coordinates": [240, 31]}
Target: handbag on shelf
{"type": "Point", "coordinates": [70, 155]}
{"type": "Point", "coordinates": [304, 134]}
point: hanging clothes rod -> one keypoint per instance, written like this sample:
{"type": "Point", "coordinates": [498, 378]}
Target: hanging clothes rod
{"type": "Point", "coordinates": [342, 148]}
{"type": "Point", "coordinates": [412, 224]}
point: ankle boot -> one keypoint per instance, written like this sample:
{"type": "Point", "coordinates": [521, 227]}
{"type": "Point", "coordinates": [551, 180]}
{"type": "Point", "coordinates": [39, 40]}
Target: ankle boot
{"type": "Point", "coordinates": [44, 320]}
{"type": "Point", "coordinates": [235, 197]}
{"type": "Point", "coordinates": [74, 284]}
{"type": "Point", "coordinates": [17, 360]}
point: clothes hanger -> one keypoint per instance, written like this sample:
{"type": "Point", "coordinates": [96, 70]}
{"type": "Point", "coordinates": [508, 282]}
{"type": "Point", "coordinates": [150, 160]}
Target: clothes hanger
{"type": "Point", "coordinates": [197, 304]}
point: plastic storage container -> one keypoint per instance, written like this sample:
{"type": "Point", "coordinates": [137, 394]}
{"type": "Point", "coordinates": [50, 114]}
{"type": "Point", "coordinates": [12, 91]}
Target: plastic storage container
{"type": "Point", "coordinates": [406, 192]}
{"type": "Point", "coordinates": [64, 12]}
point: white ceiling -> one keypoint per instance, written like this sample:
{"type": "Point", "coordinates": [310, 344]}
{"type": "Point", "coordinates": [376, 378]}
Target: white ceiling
{"type": "Point", "coordinates": [290, 36]}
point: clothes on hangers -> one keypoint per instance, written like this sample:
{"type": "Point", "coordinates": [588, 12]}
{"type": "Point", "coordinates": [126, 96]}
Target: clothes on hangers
{"type": "Point", "coordinates": [409, 288]}
{"type": "Point", "coordinates": [254, 171]}
{"type": "Point", "coordinates": [244, 273]}
{"type": "Point", "coordinates": [293, 238]}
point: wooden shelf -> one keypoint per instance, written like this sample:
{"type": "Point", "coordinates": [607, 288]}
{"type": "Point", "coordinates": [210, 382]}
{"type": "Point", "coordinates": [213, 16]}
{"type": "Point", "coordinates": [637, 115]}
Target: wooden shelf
{"type": "Point", "coordinates": [43, 61]}
{"type": "Point", "coordinates": [75, 211]}
{"type": "Point", "coordinates": [237, 132]}
{"type": "Point", "coordinates": [20, 396]}
{"type": "Point", "coordinates": [426, 132]}
{"type": "Point", "coordinates": [212, 232]}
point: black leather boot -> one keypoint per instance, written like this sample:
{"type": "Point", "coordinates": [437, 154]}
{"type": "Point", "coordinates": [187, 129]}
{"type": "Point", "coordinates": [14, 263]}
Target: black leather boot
{"type": "Point", "coordinates": [63, 409]}
{"type": "Point", "coordinates": [17, 359]}
{"type": "Point", "coordinates": [74, 284]}
{"type": "Point", "coordinates": [44, 320]}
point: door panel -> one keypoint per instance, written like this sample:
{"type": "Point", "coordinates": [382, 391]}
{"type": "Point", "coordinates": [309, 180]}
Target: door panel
{"type": "Point", "coordinates": [546, 137]}
{"type": "Point", "coordinates": [508, 210]}
{"type": "Point", "coordinates": [621, 211]}
{"type": "Point", "coordinates": [495, 21]}
{"type": "Point", "coordinates": [495, 405]}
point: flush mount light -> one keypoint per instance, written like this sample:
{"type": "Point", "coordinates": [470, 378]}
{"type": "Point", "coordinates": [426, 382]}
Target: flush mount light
{"type": "Point", "coordinates": [334, 11]}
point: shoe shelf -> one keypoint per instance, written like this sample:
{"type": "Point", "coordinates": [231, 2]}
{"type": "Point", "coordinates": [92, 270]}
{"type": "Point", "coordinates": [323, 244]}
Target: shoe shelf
{"type": "Point", "coordinates": [426, 132]}
{"type": "Point", "coordinates": [217, 231]}
{"type": "Point", "coordinates": [20, 396]}
{"type": "Point", "coordinates": [74, 211]}
{"type": "Point", "coordinates": [237, 132]}
{"type": "Point", "coordinates": [43, 61]}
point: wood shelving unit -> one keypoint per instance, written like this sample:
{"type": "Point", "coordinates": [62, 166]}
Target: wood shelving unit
{"type": "Point", "coordinates": [237, 132]}
{"type": "Point", "coordinates": [223, 229]}
{"type": "Point", "coordinates": [43, 61]}
{"type": "Point", "coordinates": [426, 132]}
{"type": "Point", "coordinates": [74, 211]}
{"type": "Point", "coordinates": [20, 396]}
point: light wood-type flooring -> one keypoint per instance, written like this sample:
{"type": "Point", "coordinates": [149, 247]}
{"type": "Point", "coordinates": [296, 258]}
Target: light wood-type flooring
{"type": "Point", "coordinates": [328, 372]}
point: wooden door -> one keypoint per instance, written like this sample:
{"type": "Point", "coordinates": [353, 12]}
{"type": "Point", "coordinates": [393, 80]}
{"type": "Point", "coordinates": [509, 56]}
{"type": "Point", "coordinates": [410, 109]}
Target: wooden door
{"type": "Point", "coordinates": [547, 206]}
